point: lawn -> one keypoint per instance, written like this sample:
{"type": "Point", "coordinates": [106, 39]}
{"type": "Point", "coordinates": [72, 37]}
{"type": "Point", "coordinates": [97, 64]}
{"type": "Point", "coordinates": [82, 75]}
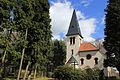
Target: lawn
{"type": "Point", "coordinates": [43, 78]}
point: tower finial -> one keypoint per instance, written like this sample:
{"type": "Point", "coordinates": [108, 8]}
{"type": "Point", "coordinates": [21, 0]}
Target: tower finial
{"type": "Point", "coordinates": [74, 11]}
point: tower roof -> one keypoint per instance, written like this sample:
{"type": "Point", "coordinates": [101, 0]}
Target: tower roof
{"type": "Point", "coordinates": [74, 26]}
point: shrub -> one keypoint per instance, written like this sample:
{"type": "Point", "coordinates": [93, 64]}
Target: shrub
{"type": "Point", "coordinates": [68, 73]}
{"type": "Point", "coordinates": [92, 74]}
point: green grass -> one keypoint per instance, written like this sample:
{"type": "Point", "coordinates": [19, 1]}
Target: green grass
{"type": "Point", "coordinates": [40, 78]}
{"type": "Point", "coordinates": [43, 78]}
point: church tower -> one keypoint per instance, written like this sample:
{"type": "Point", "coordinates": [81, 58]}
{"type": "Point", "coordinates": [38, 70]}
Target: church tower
{"type": "Point", "coordinates": [73, 40]}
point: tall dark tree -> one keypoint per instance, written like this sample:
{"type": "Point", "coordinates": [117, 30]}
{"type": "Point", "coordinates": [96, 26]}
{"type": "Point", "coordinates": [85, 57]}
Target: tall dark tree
{"type": "Point", "coordinates": [41, 21]}
{"type": "Point", "coordinates": [112, 33]}
{"type": "Point", "coordinates": [7, 41]}
{"type": "Point", "coordinates": [23, 21]}
{"type": "Point", "coordinates": [33, 16]}
{"type": "Point", "coordinates": [59, 53]}
{"type": "Point", "coordinates": [30, 21]}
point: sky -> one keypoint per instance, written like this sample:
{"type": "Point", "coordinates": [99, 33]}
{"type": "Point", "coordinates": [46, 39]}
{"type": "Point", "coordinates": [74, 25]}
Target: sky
{"type": "Point", "coordinates": [90, 15]}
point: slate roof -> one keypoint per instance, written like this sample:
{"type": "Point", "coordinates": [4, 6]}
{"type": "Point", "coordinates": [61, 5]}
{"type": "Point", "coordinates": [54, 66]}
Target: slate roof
{"type": "Point", "coordinates": [74, 26]}
{"type": "Point", "coordinates": [87, 47]}
{"type": "Point", "coordinates": [72, 60]}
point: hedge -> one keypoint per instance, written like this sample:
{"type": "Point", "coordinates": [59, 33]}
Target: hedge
{"type": "Point", "coordinates": [68, 73]}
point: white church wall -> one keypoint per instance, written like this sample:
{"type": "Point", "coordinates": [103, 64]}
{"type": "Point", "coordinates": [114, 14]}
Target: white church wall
{"type": "Point", "coordinates": [101, 57]}
{"type": "Point", "coordinates": [91, 62]}
{"type": "Point", "coordinates": [75, 47]}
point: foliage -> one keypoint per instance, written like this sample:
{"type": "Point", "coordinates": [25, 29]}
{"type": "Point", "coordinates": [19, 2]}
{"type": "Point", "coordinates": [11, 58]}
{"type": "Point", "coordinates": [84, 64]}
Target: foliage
{"type": "Point", "coordinates": [64, 73]}
{"type": "Point", "coordinates": [7, 39]}
{"type": "Point", "coordinates": [17, 16]}
{"type": "Point", "coordinates": [68, 73]}
{"type": "Point", "coordinates": [118, 78]}
{"type": "Point", "coordinates": [112, 33]}
{"type": "Point", "coordinates": [58, 53]}
{"type": "Point", "coordinates": [94, 74]}
{"type": "Point", "coordinates": [42, 34]}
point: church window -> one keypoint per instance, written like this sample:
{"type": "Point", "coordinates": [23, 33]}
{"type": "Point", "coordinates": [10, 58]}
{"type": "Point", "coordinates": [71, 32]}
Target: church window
{"type": "Point", "coordinates": [88, 56]}
{"type": "Point", "coordinates": [72, 40]}
{"type": "Point", "coordinates": [96, 60]}
{"type": "Point", "coordinates": [82, 61]}
{"type": "Point", "coordinates": [72, 51]}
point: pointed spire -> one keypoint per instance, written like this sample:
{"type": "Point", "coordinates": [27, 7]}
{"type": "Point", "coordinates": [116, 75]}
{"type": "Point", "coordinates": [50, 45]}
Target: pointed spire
{"type": "Point", "coordinates": [74, 26]}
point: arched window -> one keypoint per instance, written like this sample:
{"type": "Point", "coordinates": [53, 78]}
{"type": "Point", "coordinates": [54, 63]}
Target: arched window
{"type": "Point", "coordinates": [72, 51]}
{"type": "Point", "coordinates": [72, 40]}
{"type": "Point", "coordinates": [82, 61]}
{"type": "Point", "coordinates": [96, 60]}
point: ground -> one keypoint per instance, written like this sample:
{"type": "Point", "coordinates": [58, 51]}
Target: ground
{"type": "Point", "coordinates": [43, 78]}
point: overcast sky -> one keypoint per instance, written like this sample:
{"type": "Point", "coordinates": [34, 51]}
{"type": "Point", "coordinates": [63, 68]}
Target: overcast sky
{"type": "Point", "coordinates": [90, 15]}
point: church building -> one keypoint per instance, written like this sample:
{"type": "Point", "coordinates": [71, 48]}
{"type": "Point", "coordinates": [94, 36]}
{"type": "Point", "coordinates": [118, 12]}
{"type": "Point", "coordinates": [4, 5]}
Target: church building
{"type": "Point", "coordinates": [82, 54]}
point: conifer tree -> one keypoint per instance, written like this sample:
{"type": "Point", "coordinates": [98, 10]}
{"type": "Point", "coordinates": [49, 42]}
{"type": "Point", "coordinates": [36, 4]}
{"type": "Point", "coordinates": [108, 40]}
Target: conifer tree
{"type": "Point", "coordinates": [112, 33]}
{"type": "Point", "coordinates": [59, 53]}
{"type": "Point", "coordinates": [41, 21]}
{"type": "Point", "coordinates": [23, 21]}
{"type": "Point", "coordinates": [33, 15]}
{"type": "Point", "coordinates": [31, 24]}
{"type": "Point", "coordinates": [6, 26]}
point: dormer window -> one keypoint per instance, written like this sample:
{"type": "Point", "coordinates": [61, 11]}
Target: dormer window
{"type": "Point", "coordinates": [72, 40]}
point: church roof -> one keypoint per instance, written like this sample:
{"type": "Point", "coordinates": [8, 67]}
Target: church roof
{"type": "Point", "coordinates": [72, 60]}
{"type": "Point", "coordinates": [87, 47]}
{"type": "Point", "coordinates": [74, 26]}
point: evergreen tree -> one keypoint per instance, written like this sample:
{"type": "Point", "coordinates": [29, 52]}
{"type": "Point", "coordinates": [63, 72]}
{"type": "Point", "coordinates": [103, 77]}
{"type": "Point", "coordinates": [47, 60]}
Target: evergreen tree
{"type": "Point", "coordinates": [6, 35]}
{"type": "Point", "coordinates": [59, 53]}
{"type": "Point", "coordinates": [112, 33]}
{"type": "Point", "coordinates": [34, 16]}
{"type": "Point", "coordinates": [23, 17]}
{"type": "Point", "coordinates": [29, 20]}
{"type": "Point", "coordinates": [42, 22]}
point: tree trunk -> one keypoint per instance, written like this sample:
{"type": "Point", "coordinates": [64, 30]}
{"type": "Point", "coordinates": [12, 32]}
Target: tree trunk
{"type": "Point", "coordinates": [3, 59]}
{"type": "Point", "coordinates": [35, 72]}
{"type": "Point", "coordinates": [3, 62]}
{"type": "Point", "coordinates": [22, 57]}
{"type": "Point", "coordinates": [26, 70]}
{"type": "Point", "coordinates": [29, 75]}
{"type": "Point", "coordinates": [31, 69]}
{"type": "Point", "coordinates": [21, 63]}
